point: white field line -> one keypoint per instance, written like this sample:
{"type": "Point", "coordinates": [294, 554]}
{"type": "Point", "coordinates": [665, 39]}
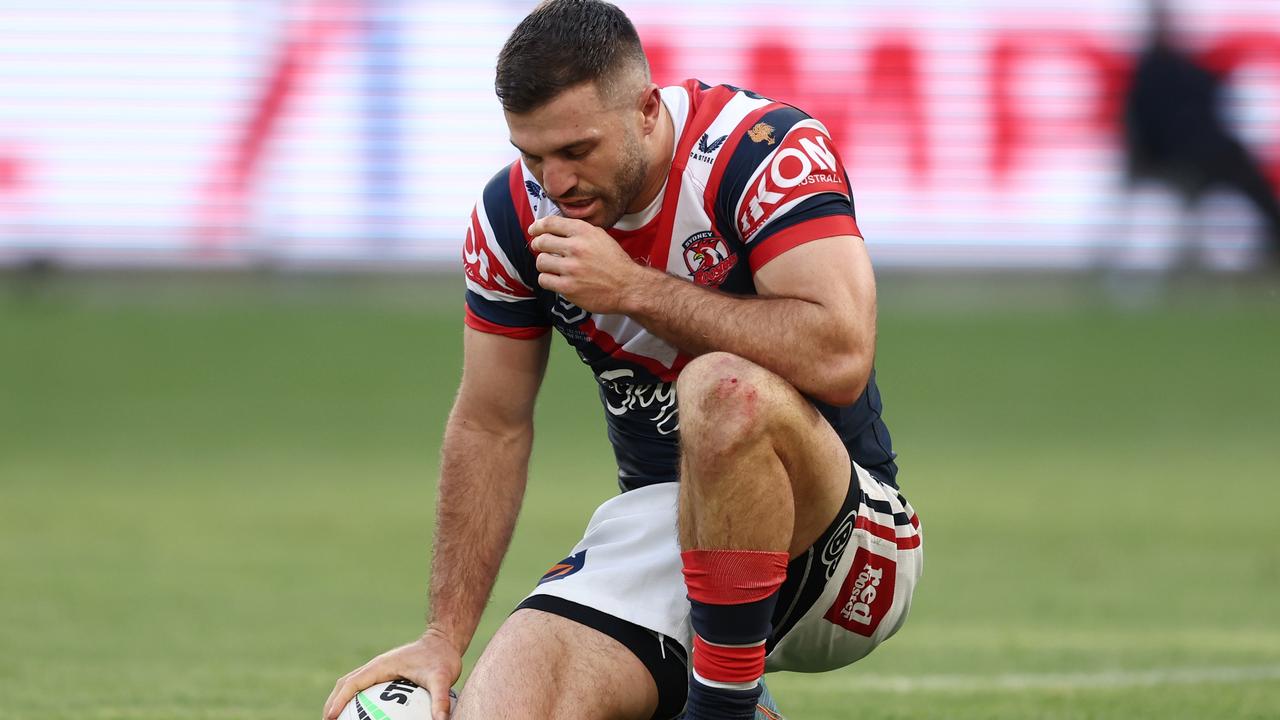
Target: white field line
{"type": "Point", "coordinates": [1013, 682]}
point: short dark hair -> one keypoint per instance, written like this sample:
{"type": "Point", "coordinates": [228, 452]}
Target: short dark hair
{"type": "Point", "coordinates": [563, 43]}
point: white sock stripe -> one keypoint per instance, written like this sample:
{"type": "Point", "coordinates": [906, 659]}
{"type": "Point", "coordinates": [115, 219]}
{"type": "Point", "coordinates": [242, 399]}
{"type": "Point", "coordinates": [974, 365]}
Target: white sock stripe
{"type": "Point", "coordinates": [723, 645]}
{"type": "Point", "coordinates": [725, 685]}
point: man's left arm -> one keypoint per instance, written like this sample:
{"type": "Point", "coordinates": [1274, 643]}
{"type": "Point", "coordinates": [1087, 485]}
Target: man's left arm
{"type": "Point", "coordinates": [813, 322]}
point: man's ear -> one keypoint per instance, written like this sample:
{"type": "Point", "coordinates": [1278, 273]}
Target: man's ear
{"type": "Point", "coordinates": [651, 107]}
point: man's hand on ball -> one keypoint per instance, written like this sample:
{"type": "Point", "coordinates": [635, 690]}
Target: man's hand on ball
{"type": "Point", "coordinates": [584, 264]}
{"type": "Point", "coordinates": [431, 661]}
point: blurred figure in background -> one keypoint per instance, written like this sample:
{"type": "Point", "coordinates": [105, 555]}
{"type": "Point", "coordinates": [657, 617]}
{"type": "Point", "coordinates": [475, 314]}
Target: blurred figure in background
{"type": "Point", "coordinates": [1175, 135]}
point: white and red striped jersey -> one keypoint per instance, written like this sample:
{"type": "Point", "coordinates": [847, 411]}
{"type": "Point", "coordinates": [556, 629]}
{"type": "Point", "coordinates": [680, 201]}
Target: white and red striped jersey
{"type": "Point", "coordinates": [751, 179]}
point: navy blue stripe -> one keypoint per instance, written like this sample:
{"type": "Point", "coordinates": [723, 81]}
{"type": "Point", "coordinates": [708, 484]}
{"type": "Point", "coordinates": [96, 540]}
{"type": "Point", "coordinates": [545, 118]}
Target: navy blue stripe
{"type": "Point", "coordinates": [706, 702]}
{"type": "Point", "coordinates": [827, 204]}
{"type": "Point", "coordinates": [749, 93]}
{"type": "Point", "coordinates": [734, 624]}
{"type": "Point", "coordinates": [525, 313]}
{"type": "Point", "coordinates": [899, 518]}
{"type": "Point", "coordinates": [627, 483]}
{"type": "Point", "coordinates": [743, 163]}
{"type": "Point", "coordinates": [509, 235]}
{"type": "Point", "coordinates": [880, 431]}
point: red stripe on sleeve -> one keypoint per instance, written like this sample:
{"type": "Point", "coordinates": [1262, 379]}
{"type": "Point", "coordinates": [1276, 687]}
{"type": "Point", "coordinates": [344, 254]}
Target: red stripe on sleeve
{"type": "Point", "coordinates": [799, 234]}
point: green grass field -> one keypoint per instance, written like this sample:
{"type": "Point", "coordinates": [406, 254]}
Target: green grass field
{"type": "Point", "coordinates": [216, 495]}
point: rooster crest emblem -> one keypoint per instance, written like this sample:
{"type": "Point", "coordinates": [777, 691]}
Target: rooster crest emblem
{"type": "Point", "coordinates": [762, 132]}
{"type": "Point", "coordinates": [708, 258]}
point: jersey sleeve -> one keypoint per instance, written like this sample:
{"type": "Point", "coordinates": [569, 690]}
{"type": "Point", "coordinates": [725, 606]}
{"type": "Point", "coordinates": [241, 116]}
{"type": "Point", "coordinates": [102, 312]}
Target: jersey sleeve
{"type": "Point", "coordinates": [784, 185]}
{"type": "Point", "coordinates": [502, 280]}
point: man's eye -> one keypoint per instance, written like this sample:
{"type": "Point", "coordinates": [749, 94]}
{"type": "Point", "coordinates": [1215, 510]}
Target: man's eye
{"type": "Point", "coordinates": [531, 160]}
{"type": "Point", "coordinates": [576, 154]}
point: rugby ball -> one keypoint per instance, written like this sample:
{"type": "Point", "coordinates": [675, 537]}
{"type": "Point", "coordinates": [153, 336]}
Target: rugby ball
{"type": "Point", "coordinates": [395, 700]}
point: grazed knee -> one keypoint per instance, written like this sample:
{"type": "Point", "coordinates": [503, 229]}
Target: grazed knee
{"type": "Point", "coordinates": [725, 402]}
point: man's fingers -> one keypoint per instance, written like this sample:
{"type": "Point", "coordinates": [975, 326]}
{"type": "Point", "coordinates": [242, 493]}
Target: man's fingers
{"type": "Point", "coordinates": [554, 283]}
{"type": "Point", "coordinates": [353, 683]}
{"type": "Point", "coordinates": [548, 263]}
{"type": "Point", "coordinates": [551, 244]}
{"type": "Point", "coordinates": [557, 225]}
{"type": "Point", "coordinates": [333, 697]}
{"type": "Point", "coordinates": [438, 686]}
{"type": "Point", "coordinates": [341, 695]}
{"type": "Point", "coordinates": [441, 706]}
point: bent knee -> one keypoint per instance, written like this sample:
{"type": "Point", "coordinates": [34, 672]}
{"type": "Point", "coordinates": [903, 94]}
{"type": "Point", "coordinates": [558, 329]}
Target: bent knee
{"type": "Point", "coordinates": [725, 399]}
{"type": "Point", "coordinates": [721, 378]}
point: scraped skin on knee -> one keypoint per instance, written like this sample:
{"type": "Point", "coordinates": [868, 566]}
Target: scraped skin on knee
{"type": "Point", "coordinates": [540, 665]}
{"type": "Point", "coordinates": [760, 468]}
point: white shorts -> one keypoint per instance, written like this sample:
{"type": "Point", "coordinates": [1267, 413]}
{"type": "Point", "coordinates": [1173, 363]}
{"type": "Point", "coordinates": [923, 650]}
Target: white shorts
{"type": "Point", "coordinates": [843, 597]}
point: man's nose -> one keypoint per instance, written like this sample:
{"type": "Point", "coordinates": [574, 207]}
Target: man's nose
{"type": "Point", "coordinates": [558, 178]}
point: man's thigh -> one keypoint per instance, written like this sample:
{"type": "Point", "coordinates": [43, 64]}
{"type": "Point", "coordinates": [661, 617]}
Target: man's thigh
{"type": "Point", "coordinates": [731, 409]}
{"type": "Point", "coordinates": [540, 665]}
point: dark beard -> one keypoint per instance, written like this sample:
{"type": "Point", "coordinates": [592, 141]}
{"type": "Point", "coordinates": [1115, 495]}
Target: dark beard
{"type": "Point", "coordinates": [628, 182]}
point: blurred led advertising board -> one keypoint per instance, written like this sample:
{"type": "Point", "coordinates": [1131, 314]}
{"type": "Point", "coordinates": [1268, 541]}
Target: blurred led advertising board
{"type": "Point", "coordinates": [979, 133]}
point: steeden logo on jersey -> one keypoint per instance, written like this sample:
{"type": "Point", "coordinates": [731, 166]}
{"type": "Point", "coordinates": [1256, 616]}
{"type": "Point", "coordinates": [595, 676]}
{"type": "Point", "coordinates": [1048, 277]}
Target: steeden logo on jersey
{"type": "Point", "coordinates": [803, 165]}
{"type": "Point", "coordinates": [708, 258]}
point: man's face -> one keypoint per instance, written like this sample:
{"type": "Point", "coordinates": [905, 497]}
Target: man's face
{"type": "Point", "coordinates": [585, 151]}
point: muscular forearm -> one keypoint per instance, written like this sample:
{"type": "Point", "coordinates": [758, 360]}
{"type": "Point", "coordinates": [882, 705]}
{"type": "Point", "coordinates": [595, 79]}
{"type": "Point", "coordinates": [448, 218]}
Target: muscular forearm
{"type": "Point", "coordinates": [801, 341]}
{"type": "Point", "coordinates": [813, 322]}
{"type": "Point", "coordinates": [482, 481]}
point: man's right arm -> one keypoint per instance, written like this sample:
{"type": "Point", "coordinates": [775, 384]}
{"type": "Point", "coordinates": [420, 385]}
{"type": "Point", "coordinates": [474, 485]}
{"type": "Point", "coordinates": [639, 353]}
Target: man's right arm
{"type": "Point", "coordinates": [484, 470]}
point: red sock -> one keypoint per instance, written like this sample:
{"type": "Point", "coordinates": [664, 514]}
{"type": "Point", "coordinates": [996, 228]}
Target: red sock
{"type": "Point", "coordinates": [732, 594]}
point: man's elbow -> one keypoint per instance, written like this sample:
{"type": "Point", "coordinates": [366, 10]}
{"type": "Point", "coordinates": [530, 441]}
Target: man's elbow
{"type": "Point", "coordinates": [844, 378]}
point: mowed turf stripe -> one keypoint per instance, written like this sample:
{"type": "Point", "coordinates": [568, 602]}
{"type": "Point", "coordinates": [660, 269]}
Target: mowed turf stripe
{"type": "Point", "coordinates": [1047, 681]}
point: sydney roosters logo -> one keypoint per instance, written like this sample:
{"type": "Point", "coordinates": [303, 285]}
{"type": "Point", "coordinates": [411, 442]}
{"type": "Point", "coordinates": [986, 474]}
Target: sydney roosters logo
{"type": "Point", "coordinates": [708, 258]}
